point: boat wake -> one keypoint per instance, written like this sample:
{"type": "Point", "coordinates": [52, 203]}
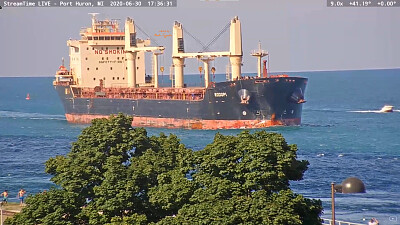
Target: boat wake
{"type": "Point", "coordinates": [31, 116]}
{"type": "Point", "coordinates": [371, 111]}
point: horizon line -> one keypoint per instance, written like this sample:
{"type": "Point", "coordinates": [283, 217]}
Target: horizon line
{"type": "Point", "coordinates": [190, 74]}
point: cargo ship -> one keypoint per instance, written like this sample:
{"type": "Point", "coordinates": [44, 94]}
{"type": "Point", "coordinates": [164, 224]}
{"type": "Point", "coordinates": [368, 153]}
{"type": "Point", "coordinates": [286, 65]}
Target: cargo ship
{"type": "Point", "coordinates": [107, 76]}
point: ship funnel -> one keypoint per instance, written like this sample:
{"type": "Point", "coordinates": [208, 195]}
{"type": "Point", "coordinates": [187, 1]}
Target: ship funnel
{"type": "Point", "coordinates": [235, 48]}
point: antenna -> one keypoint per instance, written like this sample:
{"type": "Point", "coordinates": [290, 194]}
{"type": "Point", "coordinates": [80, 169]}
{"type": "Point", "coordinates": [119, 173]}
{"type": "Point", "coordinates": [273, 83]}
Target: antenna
{"type": "Point", "coordinates": [93, 14]}
{"type": "Point", "coordinates": [259, 54]}
{"type": "Point", "coordinates": [93, 21]}
{"type": "Point", "coordinates": [93, 17]}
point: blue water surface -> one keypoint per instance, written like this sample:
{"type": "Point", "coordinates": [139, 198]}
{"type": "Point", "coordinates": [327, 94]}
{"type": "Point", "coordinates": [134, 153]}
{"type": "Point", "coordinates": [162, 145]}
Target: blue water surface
{"type": "Point", "coordinates": [342, 135]}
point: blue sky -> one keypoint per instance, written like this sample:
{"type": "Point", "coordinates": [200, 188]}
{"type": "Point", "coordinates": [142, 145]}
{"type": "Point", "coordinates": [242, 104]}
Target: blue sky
{"type": "Point", "coordinates": [299, 35]}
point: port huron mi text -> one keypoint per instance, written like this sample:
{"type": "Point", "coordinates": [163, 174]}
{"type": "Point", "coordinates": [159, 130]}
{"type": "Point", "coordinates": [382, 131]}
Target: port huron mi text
{"type": "Point", "coordinates": [88, 3]}
{"type": "Point", "coordinates": [47, 3]}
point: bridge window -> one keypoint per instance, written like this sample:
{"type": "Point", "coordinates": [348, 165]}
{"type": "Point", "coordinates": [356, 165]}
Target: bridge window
{"type": "Point", "coordinates": [101, 38]}
{"type": "Point", "coordinates": [95, 38]}
{"type": "Point", "coordinates": [89, 38]}
{"type": "Point", "coordinates": [108, 38]}
{"type": "Point", "coordinates": [112, 38]}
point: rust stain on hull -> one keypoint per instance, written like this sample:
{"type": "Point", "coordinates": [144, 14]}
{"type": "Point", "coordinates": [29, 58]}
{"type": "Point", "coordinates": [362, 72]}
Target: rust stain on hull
{"type": "Point", "coordinates": [190, 123]}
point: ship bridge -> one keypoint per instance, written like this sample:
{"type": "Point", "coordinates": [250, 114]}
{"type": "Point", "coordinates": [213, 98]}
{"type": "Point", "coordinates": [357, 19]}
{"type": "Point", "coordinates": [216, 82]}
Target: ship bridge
{"type": "Point", "coordinates": [99, 57]}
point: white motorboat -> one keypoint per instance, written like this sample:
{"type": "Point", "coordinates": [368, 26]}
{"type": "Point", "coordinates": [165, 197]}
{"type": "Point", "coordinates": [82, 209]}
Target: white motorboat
{"type": "Point", "coordinates": [387, 108]}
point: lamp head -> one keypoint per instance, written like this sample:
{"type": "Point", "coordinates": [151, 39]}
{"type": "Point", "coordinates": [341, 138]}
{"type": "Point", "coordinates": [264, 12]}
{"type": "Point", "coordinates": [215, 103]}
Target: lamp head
{"type": "Point", "coordinates": [352, 185]}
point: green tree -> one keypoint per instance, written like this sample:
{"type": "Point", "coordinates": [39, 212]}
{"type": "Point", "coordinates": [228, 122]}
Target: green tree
{"type": "Point", "coordinates": [55, 206]}
{"type": "Point", "coordinates": [244, 179]}
{"type": "Point", "coordinates": [116, 174]}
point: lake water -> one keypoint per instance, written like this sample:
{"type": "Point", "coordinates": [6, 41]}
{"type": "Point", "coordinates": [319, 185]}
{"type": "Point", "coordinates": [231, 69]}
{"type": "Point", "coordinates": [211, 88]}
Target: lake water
{"type": "Point", "coordinates": [341, 135]}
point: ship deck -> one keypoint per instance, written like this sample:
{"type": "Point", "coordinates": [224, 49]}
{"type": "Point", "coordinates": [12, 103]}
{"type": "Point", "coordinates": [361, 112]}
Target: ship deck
{"type": "Point", "coordinates": [190, 94]}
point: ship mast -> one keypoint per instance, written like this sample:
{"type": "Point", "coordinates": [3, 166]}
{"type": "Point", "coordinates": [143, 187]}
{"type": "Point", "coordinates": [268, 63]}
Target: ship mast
{"type": "Point", "coordinates": [206, 62]}
{"type": "Point", "coordinates": [93, 21]}
{"type": "Point", "coordinates": [131, 50]}
{"type": "Point", "coordinates": [177, 50]}
{"type": "Point", "coordinates": [155, 67]}
{"type": "Point", "coordinates": [259, 54]}
{"type": "Point", "coordinates": [235, 52]}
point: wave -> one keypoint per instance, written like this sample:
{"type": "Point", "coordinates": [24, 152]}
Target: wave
{"type": "Point", "coordinates": [315, 125]}
{"type": "Point", "coordinates": [31, 116]}
{"type": "Point", "coordinates": [323, 110]}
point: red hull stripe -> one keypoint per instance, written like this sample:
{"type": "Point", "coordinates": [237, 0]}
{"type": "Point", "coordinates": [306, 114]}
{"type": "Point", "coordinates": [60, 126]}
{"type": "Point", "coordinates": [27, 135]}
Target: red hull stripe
{"type": "Point", "coordinates": [190, 123]}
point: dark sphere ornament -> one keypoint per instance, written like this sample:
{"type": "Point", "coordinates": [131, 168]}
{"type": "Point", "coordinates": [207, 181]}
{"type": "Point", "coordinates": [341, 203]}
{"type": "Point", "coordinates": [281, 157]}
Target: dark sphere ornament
{"type": "Point", "coordinates": [353, 185]}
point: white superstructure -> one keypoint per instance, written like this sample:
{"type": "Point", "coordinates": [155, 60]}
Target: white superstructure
{"type": "Point", "coordinates": [107, 57]}
{"type": "Point", "coordinates": [99, 57]}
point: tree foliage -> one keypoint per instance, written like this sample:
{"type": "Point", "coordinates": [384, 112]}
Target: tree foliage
{"type": "Point", "coordinates": [116, 174]}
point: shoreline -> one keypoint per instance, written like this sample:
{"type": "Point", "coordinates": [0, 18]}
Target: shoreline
{"type": "Point", "coordinates": [9, 210]}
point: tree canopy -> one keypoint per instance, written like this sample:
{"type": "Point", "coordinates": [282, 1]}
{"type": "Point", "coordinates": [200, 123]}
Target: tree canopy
{"type": "Point", "coordinates": [116, 174]}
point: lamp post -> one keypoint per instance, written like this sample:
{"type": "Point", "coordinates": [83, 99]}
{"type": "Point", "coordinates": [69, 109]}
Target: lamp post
{"type": "Point", "coordinates": [350, 185]}
{"type": "Point", "coordinates": [1, 216]}
{"type": "Point", "coordinates": [333, 202]}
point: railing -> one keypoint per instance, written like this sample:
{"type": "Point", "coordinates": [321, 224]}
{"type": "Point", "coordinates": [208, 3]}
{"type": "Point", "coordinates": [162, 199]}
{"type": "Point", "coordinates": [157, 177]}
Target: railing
{"type": "Point", "coordinates": [63, 83]}
{"type": "Point", "coordinates": [190, 94]}
{"type": "Point", "coordinates": [338, 222]}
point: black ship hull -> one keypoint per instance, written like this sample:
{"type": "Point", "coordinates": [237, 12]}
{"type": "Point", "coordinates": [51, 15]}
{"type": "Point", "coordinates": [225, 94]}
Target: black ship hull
{"type": "Point", "coordinates": [245, 103]}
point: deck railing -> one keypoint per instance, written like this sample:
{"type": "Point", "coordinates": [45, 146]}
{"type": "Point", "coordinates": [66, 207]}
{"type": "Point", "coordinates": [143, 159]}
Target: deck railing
{"type": "Point", "coordinates": [189, 94]}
